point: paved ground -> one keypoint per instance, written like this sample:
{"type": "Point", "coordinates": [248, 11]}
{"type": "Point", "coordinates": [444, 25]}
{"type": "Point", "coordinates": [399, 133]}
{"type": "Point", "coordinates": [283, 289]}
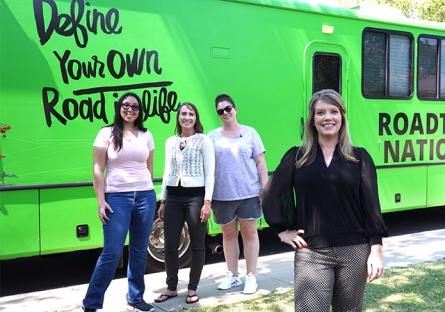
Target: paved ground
{"type": "Point", "coordinates": [274, 272]}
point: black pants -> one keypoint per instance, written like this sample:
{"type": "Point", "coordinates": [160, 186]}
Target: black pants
{"type": "Point", "coordinates": [334, 276]}
{"type": "Point", "coordinates": [177, 210]}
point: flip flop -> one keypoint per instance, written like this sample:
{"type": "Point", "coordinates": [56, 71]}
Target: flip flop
{"type": "Point", "coordinates": [191, 299]}
{"type": "Point", "coordinates": [164, 297]}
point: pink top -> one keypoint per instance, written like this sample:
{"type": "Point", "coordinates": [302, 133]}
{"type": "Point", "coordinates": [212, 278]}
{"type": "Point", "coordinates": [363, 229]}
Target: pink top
{"type": "Point", "coordinates": [126, 169]}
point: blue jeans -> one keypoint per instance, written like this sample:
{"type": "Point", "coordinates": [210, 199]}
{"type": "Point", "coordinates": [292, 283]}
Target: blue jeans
{"type": "Point", "coordinates": [133, 213]}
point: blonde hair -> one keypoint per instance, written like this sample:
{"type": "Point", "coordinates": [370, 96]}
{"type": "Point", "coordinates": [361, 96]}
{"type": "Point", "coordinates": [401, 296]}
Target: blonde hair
{"type": "Point", "coordinates": [309, 144]}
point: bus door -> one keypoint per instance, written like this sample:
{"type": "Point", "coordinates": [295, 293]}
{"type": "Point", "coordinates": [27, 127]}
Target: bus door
{"type": "Point", "coordinates": [326, 67]}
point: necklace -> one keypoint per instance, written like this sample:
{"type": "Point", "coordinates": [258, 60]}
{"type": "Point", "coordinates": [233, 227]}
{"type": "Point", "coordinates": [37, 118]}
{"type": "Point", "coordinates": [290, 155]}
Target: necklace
{"type": "Point", "coordinates": [182, 144]}
{"type": "Point", "coordinates": [183, 141]}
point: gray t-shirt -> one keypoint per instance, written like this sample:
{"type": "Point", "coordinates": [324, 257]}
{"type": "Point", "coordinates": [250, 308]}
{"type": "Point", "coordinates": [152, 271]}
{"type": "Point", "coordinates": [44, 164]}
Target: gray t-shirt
{"type": "Point", "coordinates": [236, 173]}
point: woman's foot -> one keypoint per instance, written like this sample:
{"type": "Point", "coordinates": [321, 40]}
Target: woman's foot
{"type": "Point", "coordinates": [192, 297]}
{"type": "Point", "coordinates": [166, 295]}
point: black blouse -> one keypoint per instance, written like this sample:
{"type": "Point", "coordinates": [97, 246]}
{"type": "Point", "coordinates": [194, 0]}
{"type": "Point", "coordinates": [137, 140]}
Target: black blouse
{"type": "Point", "coordinates": [336, 205]}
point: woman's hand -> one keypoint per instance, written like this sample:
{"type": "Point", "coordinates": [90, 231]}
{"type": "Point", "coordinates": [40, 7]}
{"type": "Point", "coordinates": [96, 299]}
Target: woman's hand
{"type": "Point", "coordinates": [375, 263]}
{"type": "Point", "coordinates": [205, 211]}
{"type": "Point", "coordinates": [263, 190]}
{"type": "Point", "coordinates": [161, 211]}
{"type": "Point", "coordinates": [293, 238]}
{"type": "Point", "coordinates": [103, 207]}
{"type": "Point", "coordinates": [260, 198]}
{"type": "Point", "coordinates": [262, 174]}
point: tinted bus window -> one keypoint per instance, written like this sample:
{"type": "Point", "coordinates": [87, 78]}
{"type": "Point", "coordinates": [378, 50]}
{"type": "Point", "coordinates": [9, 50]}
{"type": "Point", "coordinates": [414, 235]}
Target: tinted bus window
{"type": "Point", "coordinates": [326, 71]}
{"type": "Point", "coordinates": [442, 69]}
{"type": "Point", "coordinates": [399, 67]}
{"type": "Point", "coordinates": [427, 67]}
{"type": "Point", "coordinates": [387, 64]}
{"type": "Point", "coordinates": [374, 46]}
{"type": "Point", "coordinates": [431, 68]}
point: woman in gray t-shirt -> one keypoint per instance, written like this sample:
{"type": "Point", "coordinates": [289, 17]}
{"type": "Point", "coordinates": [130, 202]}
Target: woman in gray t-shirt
{"type": "Point", "coordinates": [240, 175]}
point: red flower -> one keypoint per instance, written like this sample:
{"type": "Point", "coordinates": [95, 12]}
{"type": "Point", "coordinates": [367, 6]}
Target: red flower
{"type": "Point", "coordinates": [4, 128]}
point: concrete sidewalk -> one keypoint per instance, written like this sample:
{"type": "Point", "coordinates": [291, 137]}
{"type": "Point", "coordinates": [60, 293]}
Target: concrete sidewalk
{"type": "Point", "coordinates": [274, 272]}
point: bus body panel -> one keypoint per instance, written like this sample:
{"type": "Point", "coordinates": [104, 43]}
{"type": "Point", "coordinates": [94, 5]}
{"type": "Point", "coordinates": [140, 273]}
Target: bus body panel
{"type": "Point", "coordinates": [435, 188]}
{"type": "Point", "coordinates": [19, 224]}
{"type": "Point", "coordinates": [61, 212]}
{"type": "Point", "coordinates": [259, 53]}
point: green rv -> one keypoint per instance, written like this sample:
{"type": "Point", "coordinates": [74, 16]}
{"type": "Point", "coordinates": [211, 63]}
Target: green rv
{"type": "Point", "coordinates": [63, 64]}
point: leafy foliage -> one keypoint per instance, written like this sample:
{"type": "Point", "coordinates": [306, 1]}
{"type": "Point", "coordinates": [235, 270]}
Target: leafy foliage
{"type": "Point", "coordinates": [431, 10]}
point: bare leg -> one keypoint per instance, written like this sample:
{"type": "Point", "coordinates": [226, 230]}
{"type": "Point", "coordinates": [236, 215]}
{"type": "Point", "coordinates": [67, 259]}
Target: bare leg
{"type": "Point", "coordinates": [251, 243]}
{"type": "Point", "coordinates": [230, 245]}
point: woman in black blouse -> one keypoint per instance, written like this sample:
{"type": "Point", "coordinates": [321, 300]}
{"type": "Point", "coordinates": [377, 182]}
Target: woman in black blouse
{"type": "Point", "coordinates": [323, 201]}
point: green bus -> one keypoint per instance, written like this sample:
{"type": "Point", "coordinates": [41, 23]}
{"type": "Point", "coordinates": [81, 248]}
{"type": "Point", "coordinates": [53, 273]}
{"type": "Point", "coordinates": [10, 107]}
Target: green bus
{"type": "Point", "coordinates": [63, 64]}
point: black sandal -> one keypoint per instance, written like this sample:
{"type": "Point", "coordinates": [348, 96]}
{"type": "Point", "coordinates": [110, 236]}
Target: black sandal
{"type": "Point", "coordinates": [164, 297]}
{"type": "Point", "coordinates": [191, 299]}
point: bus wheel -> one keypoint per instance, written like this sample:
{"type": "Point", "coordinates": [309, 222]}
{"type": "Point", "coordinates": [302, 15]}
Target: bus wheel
{"type": "Point", "coordinates": [156, 253]}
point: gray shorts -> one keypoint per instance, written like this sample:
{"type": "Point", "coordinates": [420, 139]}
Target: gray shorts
{"type": "Point", "coordinates": [225, 211]}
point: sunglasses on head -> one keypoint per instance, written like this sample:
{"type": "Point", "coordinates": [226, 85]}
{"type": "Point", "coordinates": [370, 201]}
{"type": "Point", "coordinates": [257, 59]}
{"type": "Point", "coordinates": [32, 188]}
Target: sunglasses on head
{"type": "Point", "coordinates": [127, 106]}
{"type": "Point", "coordinates": [228, 109]}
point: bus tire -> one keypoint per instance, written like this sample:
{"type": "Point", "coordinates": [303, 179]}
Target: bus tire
{"type": "Point", "coordinates": [156, 251]}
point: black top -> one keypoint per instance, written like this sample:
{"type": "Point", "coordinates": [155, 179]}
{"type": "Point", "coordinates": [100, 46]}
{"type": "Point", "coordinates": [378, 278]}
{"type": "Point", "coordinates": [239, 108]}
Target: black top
{"type": "Point", "coordinates": [336, 205]}
{"type": "Point", "coordinates": [185, 191]}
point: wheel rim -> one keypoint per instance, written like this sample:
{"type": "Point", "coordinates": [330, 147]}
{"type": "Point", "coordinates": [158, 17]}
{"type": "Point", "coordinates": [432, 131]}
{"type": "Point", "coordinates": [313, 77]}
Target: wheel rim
{"type": "Point", "coordinates": [156, 242]}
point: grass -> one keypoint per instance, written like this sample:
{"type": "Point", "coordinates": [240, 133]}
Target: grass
{"type": "Point", "coordinates": [413, 288]}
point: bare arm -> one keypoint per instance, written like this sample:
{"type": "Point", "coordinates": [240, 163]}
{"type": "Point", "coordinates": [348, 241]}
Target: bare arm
{"type": "Point", "coordinates": [150, 162]}
{"type": "Point", "coordinates": [209, 167]}
{"type": "Point", "coordinates": [262, 173]}
{"type": "Point", "coordinates": [169, 145]}
{"type": "Point", "coordinates": [262, 169]}
{"type": "Point", "coordinates": [99, 160]}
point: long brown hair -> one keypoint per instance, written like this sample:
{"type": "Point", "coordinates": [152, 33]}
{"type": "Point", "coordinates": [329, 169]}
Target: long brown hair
{"type": "Point", "coordinates": [118, 125]}
{"type": "Point", "coordinates": [309, 145]}
{"type": "Point", "coordinates": [197, 127]}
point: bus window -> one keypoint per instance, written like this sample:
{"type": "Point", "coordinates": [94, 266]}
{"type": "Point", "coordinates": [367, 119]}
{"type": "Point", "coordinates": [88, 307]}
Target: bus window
{"type": "Point", "coordinates": [431, 77]}
{"type": "Point", "coordinates": [374, 64]}
{"type": "Point", "coordinates": [399, 70]}
{"type": "Point", "coordinates": [326, 72]}
{"type": "Point", "coordinates": [442, 70]}
{"type": "Point", "coordinates": [387, 64]}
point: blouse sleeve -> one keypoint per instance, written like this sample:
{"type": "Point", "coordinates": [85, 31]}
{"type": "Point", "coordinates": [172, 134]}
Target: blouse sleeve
{"type": "Point", "coordinates": [103, 138]}
{"type": "Point", "coordinates": [208, 154]}
{"type": "Point", "coordinates": [279, 198]}
{"type": "Point", "coordinates": [375, 227]}
{"type": "Point", "coordinates": [167, 165]}
{"type": "Point", "coordinates": [257, 144]}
